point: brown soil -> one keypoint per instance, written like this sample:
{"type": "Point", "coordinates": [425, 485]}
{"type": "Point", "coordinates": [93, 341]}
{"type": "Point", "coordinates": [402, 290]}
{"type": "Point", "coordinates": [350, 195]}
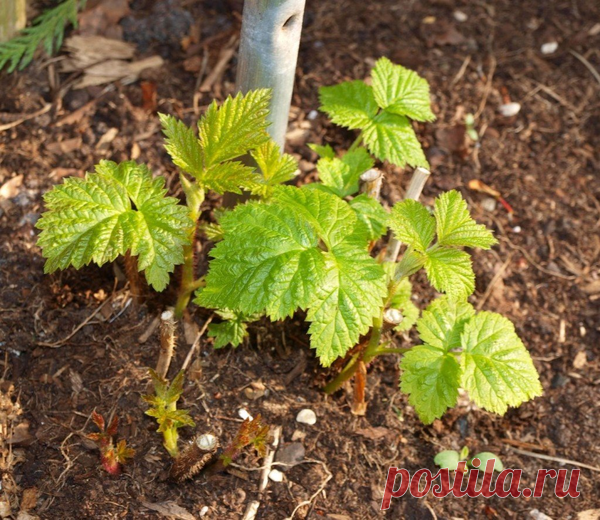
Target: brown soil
{"type": "Point", "coordinates": [544, 161]}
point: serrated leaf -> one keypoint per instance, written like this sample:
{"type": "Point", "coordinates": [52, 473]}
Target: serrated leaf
{"type": "Point", "coordinates": [117, 209]}
{"type": "Point", "coordinates": [350, 104]}
{"type": "Point", "coordinates": [346, 302]}
{"type": "Point", "coordinates": [331, 218]}
{"type": "Point", "coordinates": [391, 137]}
{"type": "Point", "coordinates": [403, 302]}
{"type": "Point", "coordinates": [325, 151]}
{"type": "Point", "coordinates": [430, 377]}
{"type": "Point", "coordinates": [413, 224]}
{"type": "Point", "coordinates": [275, 168]}
{"type": "Point", "coordinates": [411, 262]}
{"type": "Point", "coordinates": [341, 176]}
{"type": "Point", "coordinates": [450, 271]}
{"type": "Point", "coordinates": [228, 176]}
{"type": "Point", "coordinates": [443, 321]}
{"type": "Point", "coordinates": [401, 91]}
{"type": "Point", "coordinates": [454, 224]}
{"type": "Point", "coordinates": [231, 331]}
{"type": "Point", "coordinates": [298, 251]}
{"type": "Point", "coordinates": [371, 215]}
{"type": "Point", "coordinates": [182, 145]}
{"type": "Point", "coordinates": [269, 260]}
{"type": "Point", "coordinates": [237, 126]}
{"type": "Point", "coordinates": [497, 368]}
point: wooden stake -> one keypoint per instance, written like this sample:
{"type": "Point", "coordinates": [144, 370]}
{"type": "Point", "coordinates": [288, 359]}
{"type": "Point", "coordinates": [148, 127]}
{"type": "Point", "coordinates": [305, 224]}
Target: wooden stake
{"type": "Point", "coordinates": [167, 342]}
{"type": "Point", "coordinates": [371, 182]}
{"type": "Point", "coordinates": [414, 191]}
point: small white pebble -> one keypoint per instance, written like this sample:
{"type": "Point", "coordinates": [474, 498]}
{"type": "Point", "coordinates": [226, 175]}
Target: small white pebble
{"type": "Point", "coordinates": [312, 115]}
{"type": "Point", "coordinates": [243, 413]}
{"type": "Point", "coordinates": [203, 511]}
{"type": "Point", "coordinates": [459, 16]}
{"type": "Point", "coordinates": [549, 47]}
{"type": "Point", "coordinates": [510, 109]}
{"type": "Point", "coordinates": [206, 442]}
{"type": "Point", "coordinates": [488, 204]}
{"type": "Point", "coordinates": [582, 331]}
{"type": "Point", "coordinates": [275, 475]}
{"type": "Point", "coordinates": [517, 229]}
{"type": "Point", "coordinates": [306, 416]}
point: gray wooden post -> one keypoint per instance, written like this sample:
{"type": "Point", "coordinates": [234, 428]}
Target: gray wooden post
{"type": "Point", "coordinates": [268, 54]}
{"type": "Point", "coordinates": [12, 18]}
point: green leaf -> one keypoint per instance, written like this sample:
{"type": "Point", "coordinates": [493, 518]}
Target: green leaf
{"type": "Point", "coordinates": [371, 215]}
{"type": "Point", "coordinates": [346, 302]}
{"type": "Point", "coordinates": [402, 301]}
{"type": "Point", "coordinates": [275, 168]}
{"type": "Point", "coordinates": [298, 251]}
{"type": "Point", "coordinates": [443, 321]}
{"type": "Point", "coordinates": [182, 145]}
{"type": "Point", "coordinates": [401, 91]}
{"type": "Point", "coordinates": [430, 376]}
{"type": "Point", "coordinates": [450, 271]}
{"type": "Point", "coordinates": [497, 369]}
{"type": "Point", "coordinates": [413, 224]}
{"type": "Point", "coordinates": [483, 457]}
{"type": "Point", "coordinates": [411, 262]}
{"type": "Point", "coordinates": [269, 260]}
{"type": "Point", "coordinates": [350, 104]}
{"type": "Point", "coordinates": [455, 227]}
{"type": "Point", "coordinates": [447, 459]}
{"type": "Point", "coordinates": [228, 176]}
{"type": "Point", "coordinates": [231, 331]}
{"type": "Point", "coordinates": [118, 208]}
{"type": "Point", "coordinates": [237, 126]}
{"type": "Point", "coordinates": [391, 137]}
{"type": "Point", "coordinates": [325, 151]}
{"type": "Point", "coordinates": [342, 175]}
{"type": "Point", "coordinates": [175, 388]}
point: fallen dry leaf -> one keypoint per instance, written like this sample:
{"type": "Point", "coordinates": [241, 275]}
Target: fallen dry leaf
{"type": "Point", "coordinates": [374, 432]}
{"type": "Point", "coordinates": [169, 509]}
{"type": "Point", "coordinates": [11, 187]}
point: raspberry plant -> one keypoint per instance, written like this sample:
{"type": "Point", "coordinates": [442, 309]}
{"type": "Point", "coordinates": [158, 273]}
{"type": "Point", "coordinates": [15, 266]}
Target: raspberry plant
{"type": "Point", "coordinates": [309, 248]}
{"type": "Point", "coordinates": [112, 456]}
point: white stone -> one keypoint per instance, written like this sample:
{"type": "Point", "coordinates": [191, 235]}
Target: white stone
{"type": "Point", "coordinates": [243, 413]}
{"type": "Point", "coordinates": [312, 115]}
{"type": "Point", "coordinates": [203, 511]}
{"type": "Point", "coordinates": [275, 475]}
{"type": "Point", "coordinates": [549, 47]}
{"type": "Point", "coordinates": [459, 16]}
{"type": "Point", "coordinates": [517, 229]}
{"type": "Point", "coordinates": [510, 109]}
{"type": "Point", "coordinates": [306, 416]}
{"type": "Point", "coordinates": [206, 442]}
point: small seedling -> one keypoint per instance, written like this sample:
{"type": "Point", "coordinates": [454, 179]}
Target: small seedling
{"type": "Point", "coordinates": [449, 459]}
{"type": "Point", "coordinates": [164, 409]}
{"type": "Point", "coordinates": [112, 457]}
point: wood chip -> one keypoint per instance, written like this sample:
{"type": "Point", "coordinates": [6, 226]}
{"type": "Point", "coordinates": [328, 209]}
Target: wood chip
{"type": "Point", "coordinates": [170, 510]}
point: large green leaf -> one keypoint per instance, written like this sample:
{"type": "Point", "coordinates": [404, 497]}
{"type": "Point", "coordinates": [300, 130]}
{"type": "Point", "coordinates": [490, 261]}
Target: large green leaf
{"type": "Point", "coordinates": [497, 369]}
{"type": "Point", "coordinates": [443, 321]}
{"type": "Point", "coordinates": [237, 126]}
{"type": "Point", "coordinates": [413, 224]}
{"type": "Point", "coordinates": [117, 209]}
{"type": "Point", "coordinates": [391, 137]}
{"type": "Point", "coordinates": [346, 302]}
{"type": "Point", "coordinates": [430, 377]}
{"type": "Point", "coordinates": [401, 91]}
{"type": "Point", "coordinates": [350, 104]}
{"type": "Point", "coordinates": [455, 227]}
{"type": "Point", "coordinates": [450, 271]}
